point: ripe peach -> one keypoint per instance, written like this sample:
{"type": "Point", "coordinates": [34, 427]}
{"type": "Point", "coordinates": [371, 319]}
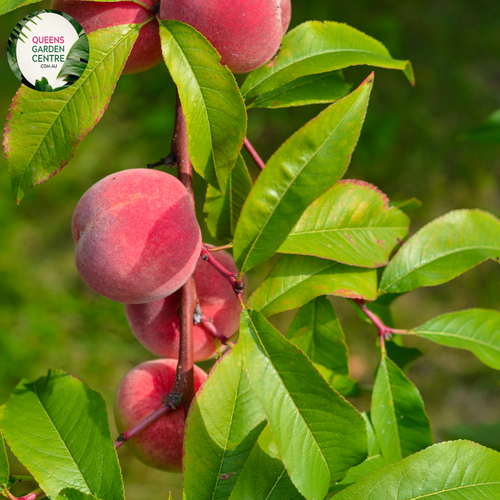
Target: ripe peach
{"type": "Point", "coordinates": [136, 235]}
{"type": "Point", "coordinates": [246, 33]}
{"type": "Point", "coordinates": [93, 16]}
{"type": "Point", "coordinates": [156, 325]}
{"type": "Point", "coordinates": [139, 393]}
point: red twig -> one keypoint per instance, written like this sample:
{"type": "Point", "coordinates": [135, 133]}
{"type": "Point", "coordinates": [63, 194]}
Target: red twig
{"type": "Point", "coordinates": [30, 496]}
{"type": "Point", "coordinates": [255, 156]}
{"type": "Point", "coordinates": [183, 390]}
{"type": "Point", "coordinates": [210, 327]}
{"type": "Point", "coordinates": [238, 286]}
{"type": "Point", "coordinates": [385, 332]}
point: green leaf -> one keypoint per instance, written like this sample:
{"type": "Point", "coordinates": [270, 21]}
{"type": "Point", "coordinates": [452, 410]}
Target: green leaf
{"type": "Point", "coordinates": [477, 330]}
{"type": "Point", "coordinates": [319, 435]}
{"type": "Point", "coordinates": [43, 132]}
{"type": "Point", "coordinates": [58, 428]}
{"type": "Point", "coordinates": [351, 223]}
{"type": "Point", "coordinates": [359, 472]}
{"type": "Point", "coordinates": [4, 465]}
{"type": "Point", "coordinates": [401, 355]}
{"type": "Point", "coordinates": [442, 250]}
{"type": "Point", "coordinates": [445, 471]}
{"type": "Point", "coordinates": [297, 279]}
{"type": "Point", "coordinates": [224, 209]}
{"type": "Point", "coordinates": [399, 419]}
{"type": "Point", "coordinates": [215, 112]}
{"type": "Point", "coordinates": [223, 426]}
{"type": "Point", "coordinates": [76, 60]}
{"type": "Point", "coordinates": [303, 168]}
{"type": "Point", "coordinates": [406, 205]}
{"type": "Point", "coordinates": [489, 131]}
{"type": "Point", "coordinates": [8, 5]}
{"type": "Point", "coordinates": [317, 47]}
{"type": "Point", "coordinates": [72, 494]}
{"type": "Point", "coordinates": [373, 447]}
{"type": "Point", "coordinates": [264, 475]}
{"type": "Point", "coordinates": [310, 89]}
{"type": "Point", "coordinates": [316, 331]}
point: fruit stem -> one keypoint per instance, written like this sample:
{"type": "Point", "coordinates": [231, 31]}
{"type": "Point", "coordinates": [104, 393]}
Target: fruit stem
{"type": "Point", "coordinates": [255, 156]}
{"type": "Point", "coordinates": [238, 286]}
{"type": "Point", "coordinates": [30, 496]}
{"type": "Point", "coordinates": [384, 332]}
{"type": "Point", "coordinates": [222, 247]}
{"type": "Point", "coordinates": [184, 376]}
{"type": "Point", "coordinates": [169, 161]}
{"type": "Point", "coordinates": [210, 327]}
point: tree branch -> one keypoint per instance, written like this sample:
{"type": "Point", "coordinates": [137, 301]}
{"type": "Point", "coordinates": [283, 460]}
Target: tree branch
{"type": "Point", "coordinates": [255, 156]}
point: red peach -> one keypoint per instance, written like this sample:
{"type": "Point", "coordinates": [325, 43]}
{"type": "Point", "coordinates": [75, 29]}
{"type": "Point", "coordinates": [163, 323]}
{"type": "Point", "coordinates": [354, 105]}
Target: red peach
{"type": "Point", "coordinates": [136, 235]}
{"type": "Point", "coordinates": [93, 16]}
{"type": "Point", "coordinates": [246, 33]}
{"type": "Point", "coordinates": [140, 393]}
{"type": "Point", "coordinates": [156, 325]}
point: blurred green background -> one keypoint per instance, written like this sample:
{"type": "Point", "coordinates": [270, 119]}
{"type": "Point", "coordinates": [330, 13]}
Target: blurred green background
{"type": "Point", "coordinates": [410, 146]}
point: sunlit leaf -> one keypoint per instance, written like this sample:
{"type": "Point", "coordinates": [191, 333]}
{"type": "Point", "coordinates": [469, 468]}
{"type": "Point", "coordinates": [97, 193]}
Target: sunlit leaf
{"type": "Point", "coordinates": [70, 446]}
{"type": "Point", "coordinates": [264, 475]}
{"type": "Point", "coordinates": [317, 47]}
{"type": "Point", "coordinates": [303, 168]}
{"type": "Point", "coordinates": [319, 435]}
{"type": "Point", "coordinates": [351, 223]}
{"type": "Point", "coordinates": [397, 413]}
{"type": "Point", "coordinates": [8, 5]}
{"type": "Point", "coordinates": [215, 112]}
{"type": "Point", "coordinates": [4, 465]}
{"type": "Point", "coordinates": [42, 133]}
{"type": "Point", "coordinates": [442, 250]}
{"type": "Point", "coordinates": [297, 279]}
{"type": "Point", "coordinates": [445, 471]}
{"type": "Point", "coordinates": [223, 426]}
{"type": "Point", "coordinates": [477, 330]}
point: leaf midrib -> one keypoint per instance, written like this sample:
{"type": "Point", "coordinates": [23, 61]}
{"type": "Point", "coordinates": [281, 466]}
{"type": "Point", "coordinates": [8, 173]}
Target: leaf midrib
{"type": "Point", "coordinates": [440, 256]}
{"type": "Point", "coordinates": [455, 489]}
{"type": "Point", "coordinates": [91, 73]}
{"type": "Point", "coordinates": [290, 396]}
{"type": "Point", "coordinates": [62, 440]}
{"type": "Point", "coordinates": [296, 176]}
{"type": "Point", "coordinates": [455, 335]}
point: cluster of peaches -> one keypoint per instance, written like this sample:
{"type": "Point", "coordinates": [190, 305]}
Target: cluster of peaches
{"type": "Point", "coordinates": [137, 242]}
{"type": "Point", "coordinates": [136, 235]}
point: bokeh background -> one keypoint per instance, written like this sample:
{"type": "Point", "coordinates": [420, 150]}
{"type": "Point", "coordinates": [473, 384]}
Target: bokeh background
{"type": "Point", "coordinates": [411, 145]}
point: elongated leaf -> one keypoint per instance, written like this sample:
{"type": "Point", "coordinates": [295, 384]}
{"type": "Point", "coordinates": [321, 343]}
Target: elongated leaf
{"type": "Point", "coordinates": [317, 47]}
{"type": "Point", "coordinates": [329, 435]}
{"type": "Point", "coordinates": [399, 419]}
{"type": "Point", "coordinates": [297, 279]}
{"type": "Point", "coordinates": [72, 494]}
{"type": "Point", "coordinates": [215, 112]}
{"type": "Point", "coordinates": [302, 169]}
{"type": "Point", "coordinates": [223, 426]}
{"type": "Point", "coordinates": [264, 475]}
{"type": "Point", "coordinates": [445, 471]}
{"type": "Point", "coordinates": [224, 209]}
{"type": "Point", "coordinates": [371, 464]}
{"type": "Point", "coordinates": [477, 330]}
{"type": "Point", "coordinates": [42, 134]}
{"type": "Point", "coordinates": [351, 223]}
{"type": "Point", "coordinates": [70, 446]}
{"type": "Point", "coordinates": [316, 330]}
{"type": "Point", "coordinates": [4, 465]}
{"type": "Point", "coordinates": [310, 89]}
{"type": "Point", "coordinates": [8, 5]}
{"type": "Point", "coordinates": [442, 250]}
{"type": "Point", "coordinates": [489, 131]}
{"type": "Point", "coordinates": [373, 447]}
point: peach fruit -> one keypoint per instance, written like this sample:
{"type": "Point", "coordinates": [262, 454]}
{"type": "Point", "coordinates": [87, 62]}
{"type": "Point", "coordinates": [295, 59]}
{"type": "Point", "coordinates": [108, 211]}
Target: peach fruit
{"type": "Point", "coordinates": [136, 235]}
{"type": "Point", "coordinates": [156, 325]}
{"type": "Point", "coordinates": [93, 16]}
{"type": "Point", "coordinates": [246, 33]}
{"type": "Point", "coordinates": [139, 393]}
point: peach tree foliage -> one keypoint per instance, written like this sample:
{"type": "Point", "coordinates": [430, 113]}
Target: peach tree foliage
{"type": "Point", "coordinates": [272, 420]}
